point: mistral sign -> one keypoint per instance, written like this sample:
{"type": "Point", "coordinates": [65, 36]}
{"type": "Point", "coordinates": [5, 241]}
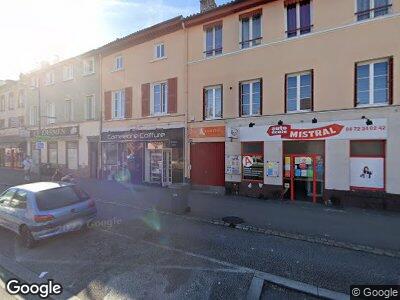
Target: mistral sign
{"type": "Point", "coordinates": [339, 130]}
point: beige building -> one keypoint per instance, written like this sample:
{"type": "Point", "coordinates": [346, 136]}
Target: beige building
{"type": "Point", "coordinates": [144, 87]}
{"type": "Point", "coordinates": [12, 122]}
{"type": "Point", "coordinates": [308, 95]}
{"type": "Point", "coordinates": [63, 114]}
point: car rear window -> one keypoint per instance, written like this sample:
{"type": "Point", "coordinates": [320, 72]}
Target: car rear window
{"type": "Point", "coordinates": [60, 197]}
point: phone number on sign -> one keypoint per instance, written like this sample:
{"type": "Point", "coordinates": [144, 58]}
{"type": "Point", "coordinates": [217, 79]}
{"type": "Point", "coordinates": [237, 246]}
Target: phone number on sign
{"type": "Point", "coordinates": [365, 128]}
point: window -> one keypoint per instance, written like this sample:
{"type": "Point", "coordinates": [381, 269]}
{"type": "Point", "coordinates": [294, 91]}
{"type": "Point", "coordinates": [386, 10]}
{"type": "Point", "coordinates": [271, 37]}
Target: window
{"type": "Point", "coordinates": [19, 200]}
{"type": "Point", "coordinates": [5, 198]}
{"type": "Point", "coordinates": [2, 123]}
{"type": "Point", "coordinates": [159, 51]}
{"type": "Point", "coordinates": [88, 66]}
{"type": "Point", "coordinates": [2, 103]}
{"type": "Point", "coordinates": [34, 82]}
{"type": "Point", "coordinates": [13, 122]}
{"type": "Point", "coordinates": [72, 155]}
{"type": "Point", "coordinates": [11, 101]}
{"type": "Point", "coordinates": [160, 98]}
{"type": "Point", "coordinates": [213, 102]}
{"type": "Point", "coordinates": [34, 116]}
{"type": "Point", "coordinates": [250, 98]}
{"type": "Point", "coordinates": [373, 83]}
{"type": "Point", "coordinates": [69, 110]}
{"type": "Point", "coordinates": [21, 99]}
{"type": "Point", "coordinates": [118, 63]}
{"type": "Point", "coordinates": [66, 196]}
{"type": "Point", "coordinates": [90, 107]}
{"type": "Point", "coordinates": [50, 78]}
{"type": "Point", "coordinates": [251, 31]}
{"type": "Point", "coordinates": [298, 17]}
{"type": "Point", "coordinates": [213, 36]}
{"type": "Point", "coordinates": [299, 92]}
{"type": "Point", "coordinates": [118, 104]}
{"type": "Point", "coordinates": [21, 121]}
{"type": "Point", "coordinates": [51, 113]}
{"type": "Point", "coordinates": [68, 72]}
{"type": "Point", "coordinates": [52, 153]}
{"type": "Point", "coordinates": [253, 161]}
{"type": "Point", "coordinates": [367, 9]}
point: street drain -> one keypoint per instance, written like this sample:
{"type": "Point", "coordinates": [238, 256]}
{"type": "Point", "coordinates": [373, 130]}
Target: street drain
{"type": "Point", "coordinates": [233, 221]}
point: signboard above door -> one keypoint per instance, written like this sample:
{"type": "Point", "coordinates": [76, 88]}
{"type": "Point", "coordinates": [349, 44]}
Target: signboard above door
{"type": "Point", "coordinates": [56, 132]}
{"type": "Point", "coordinates": [336, 130]}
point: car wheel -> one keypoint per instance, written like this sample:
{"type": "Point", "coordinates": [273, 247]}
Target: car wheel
{"type": "Point", "coordinates": [27, 238]}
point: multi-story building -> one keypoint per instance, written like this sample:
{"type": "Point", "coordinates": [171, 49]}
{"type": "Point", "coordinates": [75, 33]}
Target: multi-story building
{"type": "Point", "coordinates": [12, 121]}
{"type": "Point", "coordinates": [309, 95]}
{"type": "Point", "coordinates": [63, 113]}
{"type": "Point", "coordinates": [144, 87]}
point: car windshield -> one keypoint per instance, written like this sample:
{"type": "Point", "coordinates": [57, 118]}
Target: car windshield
{"type": "Point", "coordinates": [60, 197]}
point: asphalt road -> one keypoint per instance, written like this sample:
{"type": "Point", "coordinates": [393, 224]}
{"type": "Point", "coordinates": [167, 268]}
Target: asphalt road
{"type": "Point", "coordinates": [132, 253]}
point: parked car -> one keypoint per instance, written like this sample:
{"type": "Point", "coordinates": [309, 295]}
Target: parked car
{"type": "Point", "coordinates": [41, 210]}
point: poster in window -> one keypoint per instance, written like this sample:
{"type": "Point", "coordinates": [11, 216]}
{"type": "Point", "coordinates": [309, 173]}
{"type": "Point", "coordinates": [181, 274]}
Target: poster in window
{"type": "Point", "coordinates": [367, 172]}
{"type": "Point", "coordinates": [272, 169]}
{"type": "Point", "coordinates": [253, 167]}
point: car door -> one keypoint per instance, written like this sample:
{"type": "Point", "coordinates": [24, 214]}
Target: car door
{"type": "Point", "coordinates": [5, 200]}
{"type": "Point", "coordinates": [17, 210]}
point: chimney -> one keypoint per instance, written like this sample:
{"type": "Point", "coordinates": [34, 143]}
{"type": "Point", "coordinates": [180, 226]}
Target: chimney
{"type": "Point", "coordinates": [206, 5]}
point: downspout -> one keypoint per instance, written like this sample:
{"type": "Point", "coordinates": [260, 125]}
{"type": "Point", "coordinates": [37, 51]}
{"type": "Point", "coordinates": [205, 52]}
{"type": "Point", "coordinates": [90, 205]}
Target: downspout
{"type": "Point", "coordinates": [101, 114]}
{"type": "Point", "coordinates": [187, 141]}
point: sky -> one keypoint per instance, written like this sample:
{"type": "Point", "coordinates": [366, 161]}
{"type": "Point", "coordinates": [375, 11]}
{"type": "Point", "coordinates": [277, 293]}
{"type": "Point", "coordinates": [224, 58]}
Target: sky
{"type": "Point", "coordinates": [33, 31]}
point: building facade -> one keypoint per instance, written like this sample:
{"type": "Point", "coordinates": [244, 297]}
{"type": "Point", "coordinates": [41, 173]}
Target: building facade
{"type": "Point", "coordinates": [64, 114]}
{"type": "Point", "coordinates": [144, 87]}
{"type": "Point", "coordinates": [12, 123]}
{"type": "Point", "coordinates": [307, 93]}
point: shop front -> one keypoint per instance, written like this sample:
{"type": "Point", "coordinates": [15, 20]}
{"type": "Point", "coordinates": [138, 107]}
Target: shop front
{"type": "Point", "coordinates": [207, 156]}
{"type": "Point", "coordinates": [12, 151]}
{"type": "Point", "coordinates": [144, 156]}
{"type": "Point", "coordinates": [309, 161]}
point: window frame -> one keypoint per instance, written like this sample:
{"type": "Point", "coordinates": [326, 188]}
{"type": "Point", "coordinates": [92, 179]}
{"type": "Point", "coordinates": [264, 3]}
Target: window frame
{"type": "Point", "coordinates": [85, 64]}
{"type": "Point", "coordinates": [121, 114]}
{"type": "Point", "coordinates": [371, 63]}
{"type": "Point", "coordinates": [67, 160]}
{"type": "Point", "coordinates": [69, 117]}
{"type": "Point", "coordinates": [213, 88]}
{"type": "Point", "coordinates": [93, 116]}
{"type": "Point", "coordinates": [251, 97]}
{"type": "Point", "coordinates": [213, 51]}
{"type": "Point", "coordinates": [11, 103]}
{"type": "Point", "coordinates": [252, 154]}
{"type": "Point", "coordinates": [48, 151]}
{"type": "Point", "coordinates": [51, 113]}
{"type": "Point", "coordinates": [33, 115]}
{"type": "Point", "coordinates": [68, 72]}
{"type": "Point", "coordinates": [117, 68]}
{"type": "Point", "coordinates": [155, 54]}
{"type": "Point", "coordinates": [165, 99]}
{"type": "Point", "coordinates": [298, 21]}
{"type": "Point", "coordinates": [252, 39]}
{"type": "Point", "coordinates": [298, 92]}
{"type": "Point", "coordinates": [50, 78]}
{"type": "Point", "coordinates": [371, 12]}
{"type": "Point", "coordinates": [21, 98]}
{"type": "Point", "coordinates": [3, 103]}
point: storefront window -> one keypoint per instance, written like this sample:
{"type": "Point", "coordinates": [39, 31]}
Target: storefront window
{"type": "Point", "coordinates": [110, 154]}
{"type": "Point", "coordinates": [253, 161]}
{"type": "Point", "coordinates": [367, 165]}
{"type": "Point", "coordinates": [72, 155]}
{"type": "Point", "coordinates": [52, 151]}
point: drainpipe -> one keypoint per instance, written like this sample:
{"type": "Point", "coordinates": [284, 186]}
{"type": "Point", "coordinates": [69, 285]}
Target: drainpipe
{"type": "Point", "coordinates": [187, 142]}
{"type": "Point", "coordinates": [101, 115]}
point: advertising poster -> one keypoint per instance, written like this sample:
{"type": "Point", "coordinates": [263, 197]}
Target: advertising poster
{"type": "Point", "coordinates": [272, 169]}
{"type": "Point", "coordinates": [367, 172]}
{"type": "Point", "coordinates": [233, 164]}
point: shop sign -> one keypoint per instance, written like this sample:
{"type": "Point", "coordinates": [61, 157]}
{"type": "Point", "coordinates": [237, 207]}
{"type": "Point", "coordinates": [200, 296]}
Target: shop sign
{"type": "Point", "coordinates": [247, 161]}
{"type": "Point", "coordinates": [39, 145]}
{"type": "Point", "coordinates": [207, 132]}
{"type": "Point", "coordinates": [143, 135]}
{"type": "Point", "coordinates": [345, 130]}
{"type": "Point", "coordinates": [56, 132]}
{"type": "Point", "coordinates": [367, 172]}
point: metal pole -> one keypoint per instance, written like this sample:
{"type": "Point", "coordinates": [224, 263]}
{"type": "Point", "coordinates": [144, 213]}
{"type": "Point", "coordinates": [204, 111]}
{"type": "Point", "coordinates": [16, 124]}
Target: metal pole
{"type": "Point", "coordinates": [40, 130]}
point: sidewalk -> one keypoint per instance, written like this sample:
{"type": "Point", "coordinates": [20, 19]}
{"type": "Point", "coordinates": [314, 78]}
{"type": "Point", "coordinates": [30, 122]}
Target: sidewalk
{"type": "Point", "coordinates": [377, 229]}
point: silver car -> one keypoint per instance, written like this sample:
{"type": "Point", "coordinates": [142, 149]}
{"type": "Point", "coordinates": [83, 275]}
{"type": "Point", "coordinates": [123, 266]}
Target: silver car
{"type": "Point", "coordinates": [44, 209]}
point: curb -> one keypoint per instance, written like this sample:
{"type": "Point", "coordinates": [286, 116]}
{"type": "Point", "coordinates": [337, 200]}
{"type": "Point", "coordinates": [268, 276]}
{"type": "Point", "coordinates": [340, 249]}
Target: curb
{"type": "Point", "coordinates": [311, 239]}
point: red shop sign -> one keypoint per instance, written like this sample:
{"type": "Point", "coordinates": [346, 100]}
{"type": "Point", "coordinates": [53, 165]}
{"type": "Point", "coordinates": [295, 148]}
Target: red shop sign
{"type": "Point", "coordinates": [287, 132]}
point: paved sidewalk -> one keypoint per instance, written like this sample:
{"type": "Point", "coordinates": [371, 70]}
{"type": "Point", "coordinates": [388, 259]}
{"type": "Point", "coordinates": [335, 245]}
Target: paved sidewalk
{"type": "Point", "coordinates": [377, 229]}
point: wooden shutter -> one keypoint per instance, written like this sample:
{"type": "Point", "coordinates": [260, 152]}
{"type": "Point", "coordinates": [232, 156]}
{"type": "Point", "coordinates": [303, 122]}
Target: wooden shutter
{"type": "Point", "coordinates": [107, 105]}
{"type": "Point", "coordinates": [390, 80]}
{"type": "Point", "coordinates": [285, 93]}
{"type": "Point", "coordinates": [261, 96]}
{"type": "Point", "coordinates": [172, 95]}
{"type": "Point", "coordinates": [145, 99]}
{"type": "Point", "coordinates": [355, 84]}
{"type": "Point", "coordinates": [128, 102]}
{"type": "Point", "coordinates": [204, 104]}
{"type": "Point", "coordinates": [240, 99]}
{"type": "Point", "coordinates": [312, 90]}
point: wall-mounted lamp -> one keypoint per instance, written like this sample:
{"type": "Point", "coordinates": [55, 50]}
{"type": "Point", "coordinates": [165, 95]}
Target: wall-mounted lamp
{"type": "Point", "coordinates": [251, 125]}
{"type": "Point", "coordinates": [314, 121]}
{"type": "Point", "coordinates": [280, 122]}
{"type": "Point", "coordinates": [369, 122]}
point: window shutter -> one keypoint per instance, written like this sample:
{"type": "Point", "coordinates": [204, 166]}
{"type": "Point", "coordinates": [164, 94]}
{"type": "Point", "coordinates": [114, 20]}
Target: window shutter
{"type": "Point", "coordinates": [145, 99]}
{"type": "Point", "coordinates": [172, 95]}
{"type": "Point", "coordinates": [285, 94]}
{"type": "Point", "coordinates": [240, 99]}
{"type": "Point", "coordinates": [261, 96]}
{"type": "Point", "coordinates": [107, 105]}
{"type": "Point", "coordinates": [355, 84]}
{"type": "Point", "coordinates": [128, 102]}
{"type": "Point", "coordinates": [390, 80]}
{"type": "Point", "coordinates": [312, 90]}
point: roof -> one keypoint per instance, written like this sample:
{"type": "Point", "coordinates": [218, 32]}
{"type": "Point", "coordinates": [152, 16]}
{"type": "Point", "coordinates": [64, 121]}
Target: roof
{"type": "Point", "coordinates": [222, 11]}
{"type": "Point", "coordinates": [41, 186]}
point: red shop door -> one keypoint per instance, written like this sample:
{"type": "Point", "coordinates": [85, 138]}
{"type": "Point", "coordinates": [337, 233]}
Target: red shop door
{"type": "Point", "coordinates": [208, 164]}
